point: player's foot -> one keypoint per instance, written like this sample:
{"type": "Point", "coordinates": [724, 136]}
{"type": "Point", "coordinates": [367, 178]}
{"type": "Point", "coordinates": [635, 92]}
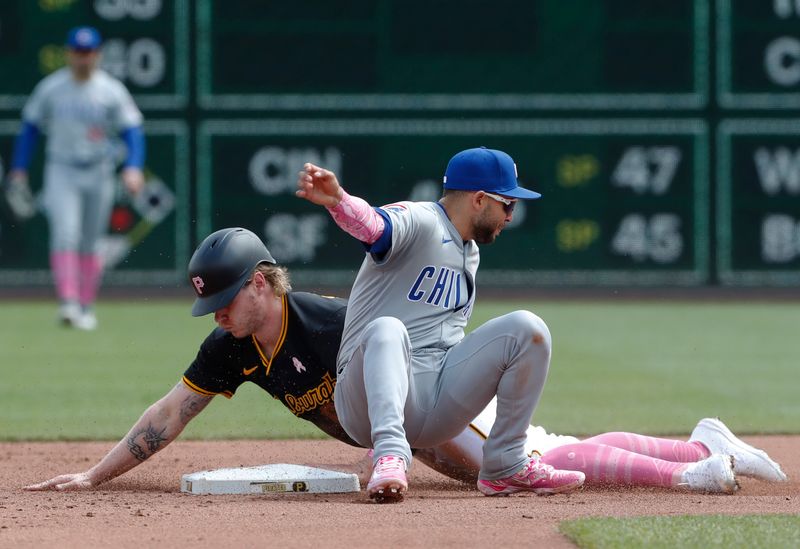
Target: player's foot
{"type": "Point", "coordinates": [536, 477]}
{"type": "Point", "coordinates": [747, 460]}
{"type": "Point", "coordinates": [86, 321]}
{"type": "Point", "coordinates": [68, 313]}
{"type": "Point", "coordinates": [713, 474]}
{"type": "Point", "coordinates": [388, 482]}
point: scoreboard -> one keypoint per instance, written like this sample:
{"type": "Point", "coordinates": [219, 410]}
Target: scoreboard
{"type": "Point", "coordinates": [446, 55]}
{"type": "Point", "coordinates": [625, 200]}
{"type": "Point", "coordinates": [758, 228]}
{"type": "Point", "coordinates": [146, 45]}
{"type": "Point", "coordinates": [758, 54]}
{"type": "Point", "coordinates": [664, 135]}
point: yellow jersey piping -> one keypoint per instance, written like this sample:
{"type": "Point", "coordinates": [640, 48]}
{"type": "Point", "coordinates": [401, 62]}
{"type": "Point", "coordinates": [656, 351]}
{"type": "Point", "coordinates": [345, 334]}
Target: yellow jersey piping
{"type": "Point", "coordinates": [267, 362]}
{"type": "Point", "coordinates": [478, 431]}
{"type": "Point", "coordinates": [203, 392]}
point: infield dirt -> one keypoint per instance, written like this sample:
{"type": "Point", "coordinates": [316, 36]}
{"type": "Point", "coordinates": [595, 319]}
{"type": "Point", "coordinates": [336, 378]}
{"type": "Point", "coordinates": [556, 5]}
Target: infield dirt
{"type": "Point", "coordinates": [146, 508]}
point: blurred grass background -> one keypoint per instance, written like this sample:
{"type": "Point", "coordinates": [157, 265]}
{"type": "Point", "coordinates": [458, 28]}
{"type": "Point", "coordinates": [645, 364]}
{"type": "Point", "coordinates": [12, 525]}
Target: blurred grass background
{"type": "Point", "coordinates": [648, 366]}
{"type": "Point", "coordinates": [685, 531]}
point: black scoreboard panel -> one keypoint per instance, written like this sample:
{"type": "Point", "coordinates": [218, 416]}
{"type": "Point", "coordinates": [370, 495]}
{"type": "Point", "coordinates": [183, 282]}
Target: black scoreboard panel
{"type": "Point", "coordinates": [625, 201]}
{"type": "Point", "coordinates": [146, 45]}
{"type": "Point", "coordinates": [758, 222]}
{"type": "Point", "coordinates": [470, 54]}
{"type": "Point", "coordinates": [758, 54]}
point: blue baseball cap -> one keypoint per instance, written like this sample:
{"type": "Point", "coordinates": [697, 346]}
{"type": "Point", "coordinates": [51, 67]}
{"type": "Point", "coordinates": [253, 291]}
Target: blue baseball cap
{"type": "Point", "coordinates": [84, 38]}
{"type": "Point", "coordinates": [487, 170]}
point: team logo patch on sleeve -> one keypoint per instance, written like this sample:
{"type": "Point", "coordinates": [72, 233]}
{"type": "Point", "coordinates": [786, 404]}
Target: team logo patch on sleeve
{"type": "Point", "coordinates": [396, 207]}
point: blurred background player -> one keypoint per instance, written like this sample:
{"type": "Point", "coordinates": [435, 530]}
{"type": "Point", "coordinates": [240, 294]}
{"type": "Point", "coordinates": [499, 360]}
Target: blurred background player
{"type": "Point", "coordinates": [81, 109]}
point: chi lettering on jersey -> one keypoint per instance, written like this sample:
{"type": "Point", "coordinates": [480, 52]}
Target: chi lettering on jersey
{"type": "Point", "coordinates": [437, 286]}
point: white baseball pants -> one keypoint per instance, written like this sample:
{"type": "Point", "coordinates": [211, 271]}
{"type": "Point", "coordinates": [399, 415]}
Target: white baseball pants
{"type": "Point", "coordinates": [78, 204]}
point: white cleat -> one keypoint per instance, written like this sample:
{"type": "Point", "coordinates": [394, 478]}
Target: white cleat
{"type": "Point", "coordinates": [713, 474]}
{"type": "Point", "coordinates": [69, 314]}
{"type": "Point", "coordinates": [747, 460]}
{"type": "Point", "coordinates": [86, 321]}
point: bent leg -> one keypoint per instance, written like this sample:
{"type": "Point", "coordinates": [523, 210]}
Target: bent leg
{"type": "Point", "coordinates": [508, 356]}
{"type": "Point", "coordinates": [372, 390]}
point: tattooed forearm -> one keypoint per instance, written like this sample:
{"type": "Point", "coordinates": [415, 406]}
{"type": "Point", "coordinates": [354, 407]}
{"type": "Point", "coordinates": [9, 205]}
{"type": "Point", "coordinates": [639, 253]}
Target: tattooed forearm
{"type": "Point", "coordinates": [191, 406]}
{"type": "Point", "coordinates": [150, 437]}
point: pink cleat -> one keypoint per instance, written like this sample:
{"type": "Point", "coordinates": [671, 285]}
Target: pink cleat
{"type": "Point", "coordinates": [536, 477]}
{"type": "Point", "coordinates": [388, 482]}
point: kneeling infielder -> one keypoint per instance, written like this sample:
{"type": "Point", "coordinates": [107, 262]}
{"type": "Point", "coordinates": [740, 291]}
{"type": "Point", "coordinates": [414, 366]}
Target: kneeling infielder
{"type": "Point", "coordinates": [286, 342]}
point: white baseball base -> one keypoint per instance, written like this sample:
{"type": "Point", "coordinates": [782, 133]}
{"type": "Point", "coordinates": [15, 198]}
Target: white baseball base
{"type": "Point", "coordinates": [269, 479]}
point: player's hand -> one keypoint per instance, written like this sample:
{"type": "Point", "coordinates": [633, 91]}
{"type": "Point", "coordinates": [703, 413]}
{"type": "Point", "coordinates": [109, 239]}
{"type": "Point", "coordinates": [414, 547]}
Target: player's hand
{"type": "Point", "coordinates": [133, 179]}
{"type": "Point", "coordinates": [18, 195]}
{"type": "Point", "coordinates": [319, 186]}
{"type": "Point", "coordinates": [18, 177]}
{"type": "Point", "coordinates": [72, 481]}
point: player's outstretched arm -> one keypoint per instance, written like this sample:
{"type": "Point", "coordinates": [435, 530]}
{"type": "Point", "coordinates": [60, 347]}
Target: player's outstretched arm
{"type": "Point", "coordinates": [354, 215]}
{"type": "Point", "coordinates": [160, 424]}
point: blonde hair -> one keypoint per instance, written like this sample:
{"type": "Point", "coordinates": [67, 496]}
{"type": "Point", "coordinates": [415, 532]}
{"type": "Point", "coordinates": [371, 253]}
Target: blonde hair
{"type": "Point", "coordinates": [277, 276]}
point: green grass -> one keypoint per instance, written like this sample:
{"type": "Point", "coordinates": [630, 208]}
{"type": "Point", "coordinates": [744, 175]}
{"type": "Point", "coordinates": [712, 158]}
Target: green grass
{"type": "Point", "coordinates": [686, 532]}
{"type": "Point", "coordinates": [657, 367]}
{"type": "Point", "coordinates": [652, 367]}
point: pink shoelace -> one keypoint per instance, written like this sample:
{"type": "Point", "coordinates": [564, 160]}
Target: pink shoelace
{"type": "Point", "coordinates": [388, 465]}
{"type": "Point", "coordinates": [538, 469]}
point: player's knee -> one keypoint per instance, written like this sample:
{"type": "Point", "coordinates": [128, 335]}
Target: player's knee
{"type": "Point", "coordinates": [532, 327]}
{"type": "Point", "coordinates": [386, 330]}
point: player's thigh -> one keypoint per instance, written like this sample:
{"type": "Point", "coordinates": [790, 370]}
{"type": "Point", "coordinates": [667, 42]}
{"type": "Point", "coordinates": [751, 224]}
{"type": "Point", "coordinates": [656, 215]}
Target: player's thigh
{"type": "Point", "coordinates": [98, 200]}
{"type": "Point", "coordinates": [473, 368]}
{"type": "Point", "coordinates": [61, 199]}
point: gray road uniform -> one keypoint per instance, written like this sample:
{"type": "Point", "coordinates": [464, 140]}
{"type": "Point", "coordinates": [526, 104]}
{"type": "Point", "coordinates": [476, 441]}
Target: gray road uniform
{"type": "Point", "coordinates": [80, 120]}
{"type": "Point", "coordinates": [404, 351]}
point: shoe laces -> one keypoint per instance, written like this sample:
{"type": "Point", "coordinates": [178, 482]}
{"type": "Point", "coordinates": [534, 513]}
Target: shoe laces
{"type": "Point", "coordinates": [390, 464]}
{"type": "Point", "coordinates": [536, 470]}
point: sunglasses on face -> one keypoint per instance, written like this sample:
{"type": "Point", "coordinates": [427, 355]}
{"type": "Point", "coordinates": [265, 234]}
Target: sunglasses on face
{"type": "Point", "coordinates": [508, 204]}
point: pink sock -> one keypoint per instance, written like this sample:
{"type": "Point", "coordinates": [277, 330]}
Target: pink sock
{"type": "Point", "coordinates": [91, 268]}
{"type": "Point", "coordinates": [608, 465]}
{"type": "Point", "coordinates": [662, 448]}
{"type": "Point", "coordinates": [65, 274]}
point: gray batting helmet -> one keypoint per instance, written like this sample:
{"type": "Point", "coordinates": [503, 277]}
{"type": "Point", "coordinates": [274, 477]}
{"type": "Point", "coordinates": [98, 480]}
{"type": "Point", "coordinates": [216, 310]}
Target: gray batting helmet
{"type": "Point", "coordinates": [221, 265]}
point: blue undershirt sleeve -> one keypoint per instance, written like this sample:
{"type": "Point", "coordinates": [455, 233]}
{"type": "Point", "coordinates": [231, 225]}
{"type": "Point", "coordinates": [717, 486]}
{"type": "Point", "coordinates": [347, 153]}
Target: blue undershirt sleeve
{"type": "Point", "coordinates": [24, 146]}
{"type": "Point", "coordinates": [379, 248]}
{"type": "Point", "coordinates": [134, 140]}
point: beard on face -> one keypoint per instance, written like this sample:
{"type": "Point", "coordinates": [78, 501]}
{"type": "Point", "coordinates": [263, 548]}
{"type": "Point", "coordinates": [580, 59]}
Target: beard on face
{"type": "Point", "coordinates": [484, 229]}
{"type": "Point", "coordinates": [249, 318]}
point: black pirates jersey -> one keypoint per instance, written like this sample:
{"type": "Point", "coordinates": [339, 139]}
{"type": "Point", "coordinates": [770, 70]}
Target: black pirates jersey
{"type": "Point", "coordinates": [301, 372]}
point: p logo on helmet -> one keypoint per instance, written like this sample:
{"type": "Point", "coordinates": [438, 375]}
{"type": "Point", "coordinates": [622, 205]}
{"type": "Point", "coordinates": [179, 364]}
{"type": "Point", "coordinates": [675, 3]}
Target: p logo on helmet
{"type": "Point", "coordinates": [198, 285]}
